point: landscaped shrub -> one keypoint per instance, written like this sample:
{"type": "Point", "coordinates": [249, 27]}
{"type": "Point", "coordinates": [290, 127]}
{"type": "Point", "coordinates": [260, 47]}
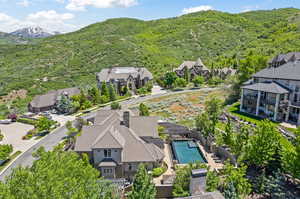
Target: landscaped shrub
{"type": "Point", "coordinates": [1, 136]}
{"type": "Point", "coordinates": [5, 150]}
{"type": "Point", "coordinates": [27, 121]}
{"type": "Point", "coordinates": [115, 106]}
{"type": "Point", "coordinates": [156, 172]}
{"type": "Point", "coordinates": [30, 134]}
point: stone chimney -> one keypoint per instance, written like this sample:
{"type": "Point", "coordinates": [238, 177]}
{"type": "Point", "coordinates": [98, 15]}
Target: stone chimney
{"type": "Point", "coordinates": [126, 118]}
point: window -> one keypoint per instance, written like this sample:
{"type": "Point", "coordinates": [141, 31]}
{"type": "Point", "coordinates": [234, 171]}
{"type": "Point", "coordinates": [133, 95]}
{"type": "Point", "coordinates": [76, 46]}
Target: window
{"type": "Point", "coordinates": [107, 171]}
{"type": "Point", "coordinates": [129, 167]}
{"type": "Point", "coordinates": [107, 153]}
{"type": "Point", "coordinates": [295, 98]}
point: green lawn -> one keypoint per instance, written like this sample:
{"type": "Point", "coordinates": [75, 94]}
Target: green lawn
{"type": "Point", "coordinates": [234, 109]}
{"type": "Point", "coordinates": [11, 158]}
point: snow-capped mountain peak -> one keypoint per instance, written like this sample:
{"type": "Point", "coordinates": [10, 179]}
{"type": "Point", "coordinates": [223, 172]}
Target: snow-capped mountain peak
{"type": "Point", "coordinates": [32, 32]}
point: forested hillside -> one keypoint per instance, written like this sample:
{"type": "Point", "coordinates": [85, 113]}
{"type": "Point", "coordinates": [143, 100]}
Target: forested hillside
{"type": "Point", "coordinates": [6, 38]}
{"type": "Point", "coordinates": [217, 37]}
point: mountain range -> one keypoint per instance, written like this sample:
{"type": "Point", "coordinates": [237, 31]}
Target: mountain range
{"type": "Point", "coordinates": [32, 32]}
{"type": "Point", "coordinates": [25, 35]}
{"type": "Point", "coordinates": [160, 45]}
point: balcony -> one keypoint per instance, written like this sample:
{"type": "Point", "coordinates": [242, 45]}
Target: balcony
{"type": "Point", "coordinates": [251, 97]}
{"type": "Point", "coordinates": [268, 101]}
{"type": "Point", "coordinates": [295, 104]}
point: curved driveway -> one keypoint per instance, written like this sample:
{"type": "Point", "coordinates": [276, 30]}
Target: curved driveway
{"type": "Point", "coordinates": [51, 140]}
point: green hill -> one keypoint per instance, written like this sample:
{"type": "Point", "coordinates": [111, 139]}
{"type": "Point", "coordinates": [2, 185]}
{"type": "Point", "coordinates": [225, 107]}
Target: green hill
{"type": "Point", "coordinates": [74, 58]}
{"type": "Point", "coordinates": [6, 38]}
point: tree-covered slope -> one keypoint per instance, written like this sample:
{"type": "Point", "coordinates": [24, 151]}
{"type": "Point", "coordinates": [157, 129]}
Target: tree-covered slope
{"type": "Point", "coordinates": [74, 58]}
{"type": "Point", "coordinates": [6, 38]}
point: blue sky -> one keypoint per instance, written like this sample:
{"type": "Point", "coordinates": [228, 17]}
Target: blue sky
{"type": "Point", "coordinates": [70, 15]}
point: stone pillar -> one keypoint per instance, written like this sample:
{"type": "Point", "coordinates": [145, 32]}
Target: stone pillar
{"type": "Point", "coordinates": [298, 123]}
{"type": "Point", "coordinates": [242, 101]}
{"type": "Point", "coordinates": [258, 102]}
{"type": "Point", "coordinates": [288, 108]}
{"type": "Point", "coordinates": [126, 119]}
{"type": "Point", "coordinates": [276, 107]}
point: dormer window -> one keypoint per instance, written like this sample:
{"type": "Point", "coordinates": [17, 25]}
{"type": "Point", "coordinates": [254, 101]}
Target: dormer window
{"type": "Point", "coordinates": [107, 153]}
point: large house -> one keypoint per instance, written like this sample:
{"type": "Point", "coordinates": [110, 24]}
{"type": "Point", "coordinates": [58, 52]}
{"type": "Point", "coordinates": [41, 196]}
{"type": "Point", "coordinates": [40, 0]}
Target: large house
{"type": "Point", "coordinates": [48, 101]}
{"type": "Point", "coordinates": [133, 78]}
{"type": "Point", "coordinates": [118, 142]}
{"type": "Point", "coordinates": [274, 92]}
{"type": "Point", "coordinates": [197, 68]}
{"type": "Point", "coordinates": [284, 58]}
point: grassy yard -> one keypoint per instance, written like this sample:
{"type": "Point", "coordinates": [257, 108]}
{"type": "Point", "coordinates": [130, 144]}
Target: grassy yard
{"type": "Point", "coordinates": [234, 109]}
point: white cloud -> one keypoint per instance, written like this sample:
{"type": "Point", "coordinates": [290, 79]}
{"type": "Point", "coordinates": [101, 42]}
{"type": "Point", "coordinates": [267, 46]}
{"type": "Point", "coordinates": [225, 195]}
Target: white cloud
{"type": "Point", "coordinates": [50, 15]}
{"type": "Point", "coordinates": [80, 5]}
{"type": "Point", "coordinates": [49, 20]}
{"type": "Point", "coordinates": [60, 1]}
{"type": "Point", "coordinates": [250, 8]}
{"type": "Point", "coordinates": [197, 9]}
{"type": "Point", "coordinates": [24, 3]}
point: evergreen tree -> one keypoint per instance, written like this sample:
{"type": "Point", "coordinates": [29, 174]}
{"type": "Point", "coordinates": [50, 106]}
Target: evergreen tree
{"type": "Point", "coordinates": [169, 79]}
{"type": "Point", "coordinates": [104, 89]}
{"type": "Point", "coordinates": [94, 95]}
{"type": "Point", "coordinates": [112, 93]}
{"type": "Point", "coordinates": [275, 186]}
{"type": "Point", "coordinates": [64, 104]}
{"type": "Point", "coordinates": [144, 110]}
{"type": "Point", "coordinates": [187, 75]}
{"type": "Point", "coordinates": [230, 192]}
{"type": "Point", "coordinates": [143, 187]}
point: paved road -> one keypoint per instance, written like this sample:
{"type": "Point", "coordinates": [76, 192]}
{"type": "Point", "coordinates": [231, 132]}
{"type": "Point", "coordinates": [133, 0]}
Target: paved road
{"type": "Point", "coordinates": [56, 136]}
{"type": "Point", "coordinates": [26, 158]}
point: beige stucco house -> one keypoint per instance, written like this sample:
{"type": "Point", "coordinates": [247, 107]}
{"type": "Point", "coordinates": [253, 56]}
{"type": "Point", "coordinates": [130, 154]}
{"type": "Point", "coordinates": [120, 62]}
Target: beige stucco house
{"type": "Point", "coordinates": [118, 142]}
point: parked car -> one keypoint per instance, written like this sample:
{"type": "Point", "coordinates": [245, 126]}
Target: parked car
{"type": "Point", "coordinates": [7, 121]}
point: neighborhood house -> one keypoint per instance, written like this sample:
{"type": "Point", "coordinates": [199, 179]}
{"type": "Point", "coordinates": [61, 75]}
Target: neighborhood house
{"type": "Point", "coordinates": [118, 142]}
{"type": "Point", "coordinates": [197, 68]}
{"type": "Point", "coordinates": [48, 101]}
{"type": "Point", "coordinates": [120, 77]}
{"type": "Point", "coordinates": [274, 92]}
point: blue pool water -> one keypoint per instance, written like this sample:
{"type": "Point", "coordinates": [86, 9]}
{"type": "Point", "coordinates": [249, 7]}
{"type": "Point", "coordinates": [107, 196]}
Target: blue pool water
{"type": "Point", "coordinates": [187, 152]}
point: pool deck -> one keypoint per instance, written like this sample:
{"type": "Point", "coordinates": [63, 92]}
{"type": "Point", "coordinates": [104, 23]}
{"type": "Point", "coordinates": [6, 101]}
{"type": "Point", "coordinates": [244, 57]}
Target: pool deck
{"type": "Point", "coordinates": [168, 161]}
{"type": "Point", "coordinates": [210, 161]}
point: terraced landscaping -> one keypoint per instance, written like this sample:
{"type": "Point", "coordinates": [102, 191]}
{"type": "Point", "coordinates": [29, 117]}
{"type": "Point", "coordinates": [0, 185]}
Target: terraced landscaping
{"type": "Point", "coordinates": [182, 108]}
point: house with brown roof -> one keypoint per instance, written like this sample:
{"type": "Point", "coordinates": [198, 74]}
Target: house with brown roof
{"type": "Point", "coordinates": [48, 101]}
{"type": "Point", "coordinates": [132, 77]}
{"type": "Point", "coordinates": [118, 142]}
{"type": "Point", "coordinates": [274, 92]}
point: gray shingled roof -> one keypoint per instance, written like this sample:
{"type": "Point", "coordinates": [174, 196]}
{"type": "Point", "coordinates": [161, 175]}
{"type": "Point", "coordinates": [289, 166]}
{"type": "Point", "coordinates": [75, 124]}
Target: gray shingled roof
{"type": "Point", "coordinates": [290, 71]}
{"type": "Point", "coordinates": [144, 126]}
{"type": "Point", "coordinates": [49, 99]}
{"type": "Point", "coordinates": [292, 56]}
{"type": "Point", "coordinates": [191, 64]}
{"type": "Point", "coordinates": [115, 73]}
{"type": "Point", "coordinates": [271, 87]}
{"type": "Point", "coordinates": [110, 133]}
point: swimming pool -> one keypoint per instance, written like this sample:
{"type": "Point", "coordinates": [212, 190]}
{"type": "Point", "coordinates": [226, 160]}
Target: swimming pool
{"type": "Point", "coordinates": [187, 152]}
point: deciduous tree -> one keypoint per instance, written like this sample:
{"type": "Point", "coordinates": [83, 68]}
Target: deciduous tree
{"type": "Point", "coordinates": [57, 174]}
{"type": "Point", "coordinates": [143, 186]}
{"type": "Point", "coordinates": [144, 110]}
